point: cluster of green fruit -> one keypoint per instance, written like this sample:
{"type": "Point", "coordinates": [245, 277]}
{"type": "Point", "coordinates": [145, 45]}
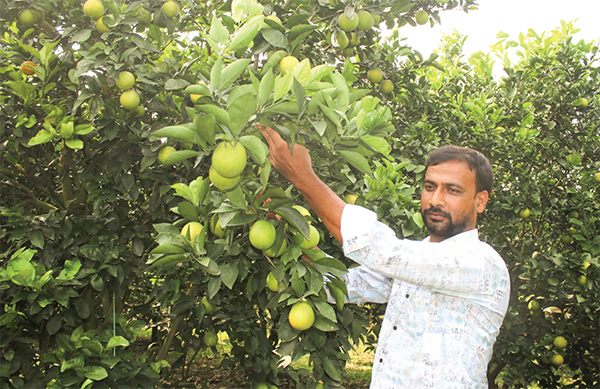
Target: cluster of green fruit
{"type": "Point", "coordinates": [129, 99]}
{"type": "Point", "coordinates": [375, 76]}
{"type": "Point", "coordinates": [347, 36]}
{"type": "Point", "coordinates": [228, 162]}
{"type": "Point", "coordinates": [95, 10]}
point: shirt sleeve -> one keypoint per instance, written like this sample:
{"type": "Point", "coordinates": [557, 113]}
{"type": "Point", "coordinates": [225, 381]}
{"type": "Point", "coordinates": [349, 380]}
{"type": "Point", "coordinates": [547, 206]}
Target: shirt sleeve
{"type": "Point", "coordinates": [457, 267]}
{"type": "Point", "coordinates": [366, 286]}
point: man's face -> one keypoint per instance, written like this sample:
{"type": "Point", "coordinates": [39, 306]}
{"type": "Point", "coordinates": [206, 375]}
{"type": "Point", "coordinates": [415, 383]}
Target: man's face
{"type": "Point", "coordinates": [449, 200]}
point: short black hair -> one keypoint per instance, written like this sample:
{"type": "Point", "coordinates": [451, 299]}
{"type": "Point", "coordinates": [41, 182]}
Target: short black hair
{"type": "Point", "coordinates": [484, 174]}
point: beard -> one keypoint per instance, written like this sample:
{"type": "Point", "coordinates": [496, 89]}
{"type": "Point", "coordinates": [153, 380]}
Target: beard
{"type": "Point", "coordinates": [445, 228]}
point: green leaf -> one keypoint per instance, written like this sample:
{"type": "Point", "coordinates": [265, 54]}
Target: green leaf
{"type": "Point", "coordinates": [331, 370]}
{"type": "Point", "coordinates": [83, 129]}
{"type": "Point", "coordinates": [229, 273]}
{"type": "Point", "coordinates": [326, 309]}
{"type": "Point", "coordinates": [376, 143]}
{"type": "Point", "coordinates": [330, 265]}
{"type": "Point", "coordinates": [295, 218]}
{"type": "Point", "coordinates": [246, 34]}
{"type": "Point", "coordinates": [255, 147]}
{"type": "Point", "coordinates": [20, 271]}
{"type": "Point", "coordinates": [181, 155]}
{"type": "Point", "coordinates": [219, 113]}
{"type": "Point", "coordinates": [237, 198]}
{"type": "Point", "coordinates": [70, 269]}
{"type": "Point", "coordinates": [37, 238]}
{"type": "Point", "coordinates": [274, 37]}
{"type": "Point", "coordinates": [41, 137]}
{"type": "Point", "coordinates": [356, 160]}
{"type": "Point", "coordinates": [117, 341]}
{"type": "Point", "coordinates": [75, 144]}
{"type": "Point", "coordinates": [218, 32]}
{"type": "Point", "coordinates": [282, 86]}
{"type": "Point", "coordinates": [95, 373]}
{"type": "Point", "coordinates": [266, 87]}
{"type": "Point", "coordinates": [232, 71]}
{"type": "Point", "coordinates": [188, 211]}
{"type": "Point", "coordinates": [168, 248]}
{"type": "Point", "coordinates": [176, 84]}
{"type": "Point", "coordinates": [240, 112]}
{"type": "Point", "coordinates": [205, 125]}
{"type": "Point", "coordinates": [215, 73]}
{"type": "Point", "coordinates": [76, 362]}
{"type": "Point", "coordinates": [182, 133]}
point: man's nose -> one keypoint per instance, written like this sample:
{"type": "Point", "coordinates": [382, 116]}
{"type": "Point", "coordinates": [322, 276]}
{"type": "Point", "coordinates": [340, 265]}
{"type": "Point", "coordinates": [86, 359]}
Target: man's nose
{"type": "Point", "coordinates": [437, 198]}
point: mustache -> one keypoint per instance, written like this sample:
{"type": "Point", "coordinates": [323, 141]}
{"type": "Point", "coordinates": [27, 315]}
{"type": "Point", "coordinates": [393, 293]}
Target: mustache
{"type": "Point", "coordinates": [436, 210]}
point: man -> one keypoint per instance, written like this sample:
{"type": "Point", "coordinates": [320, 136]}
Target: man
{"type": "Point", "coordinates": [446, 295]}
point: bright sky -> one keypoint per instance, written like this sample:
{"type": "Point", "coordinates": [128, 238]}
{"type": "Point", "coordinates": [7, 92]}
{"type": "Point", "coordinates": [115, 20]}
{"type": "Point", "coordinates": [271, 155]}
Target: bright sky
{"type": "Point", "coordinates": [510, 16]}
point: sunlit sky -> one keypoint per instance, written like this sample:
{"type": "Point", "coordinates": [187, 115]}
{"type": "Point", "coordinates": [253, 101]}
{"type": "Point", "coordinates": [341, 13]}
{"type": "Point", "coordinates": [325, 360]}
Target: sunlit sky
{"type": "Point", "coordinates": [510, 16]}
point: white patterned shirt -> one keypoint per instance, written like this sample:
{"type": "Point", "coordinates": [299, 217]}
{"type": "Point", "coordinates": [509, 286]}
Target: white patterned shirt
{"type": "Point", "coordinates": [446, 303]}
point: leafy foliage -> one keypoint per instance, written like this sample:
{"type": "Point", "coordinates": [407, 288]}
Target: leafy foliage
{"type": "Point", "coordinates": [92, 215]}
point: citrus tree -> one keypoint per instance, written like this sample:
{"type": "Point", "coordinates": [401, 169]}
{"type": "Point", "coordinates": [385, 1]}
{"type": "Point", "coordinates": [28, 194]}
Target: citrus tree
{"type": "Point", "coordinates": [133, 176]}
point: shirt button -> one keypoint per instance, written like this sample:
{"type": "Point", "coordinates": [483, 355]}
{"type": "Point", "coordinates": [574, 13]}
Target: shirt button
{"type": "Point", "coordinates": [381, 360]}
{"type": "Point", "coordinates": [395, 328]}
{"type": "Point", "coordinates": [407, 295]}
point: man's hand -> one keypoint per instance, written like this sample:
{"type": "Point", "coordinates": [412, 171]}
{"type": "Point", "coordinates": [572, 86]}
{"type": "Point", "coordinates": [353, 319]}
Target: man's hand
{"type": "Point", "coordinates": [296, 166]}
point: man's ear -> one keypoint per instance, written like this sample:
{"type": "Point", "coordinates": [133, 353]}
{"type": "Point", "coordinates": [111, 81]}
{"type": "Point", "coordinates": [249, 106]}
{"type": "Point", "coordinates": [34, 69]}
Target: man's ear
{"type": "Point", "coordinates": [481, 200]}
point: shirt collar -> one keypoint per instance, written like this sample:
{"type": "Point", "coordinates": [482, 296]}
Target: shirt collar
{"type": "Point", "coordinates": [463, 236]}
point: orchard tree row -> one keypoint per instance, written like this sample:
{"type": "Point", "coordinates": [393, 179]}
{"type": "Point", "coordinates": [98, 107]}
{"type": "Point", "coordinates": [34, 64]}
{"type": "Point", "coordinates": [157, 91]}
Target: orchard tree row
{"type": "Point", "coordinates": [137, 193]}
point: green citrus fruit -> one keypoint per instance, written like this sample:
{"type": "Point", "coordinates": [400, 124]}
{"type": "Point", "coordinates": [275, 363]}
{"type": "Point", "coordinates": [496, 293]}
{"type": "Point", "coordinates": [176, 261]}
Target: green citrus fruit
{"type": "Point", "coordinates": [262, 385]}
{"type": "Point", "coordinates": [422, 17]}
{"type": "Point", "coordinates": [376, 19]}
{"type": "Point", "coordinates": [375, 75]}
{"type": "Point", "coordinates": [144, 17]}
{"type": "Point", "coordinates": [557, 359]}
{"type": "Point", "coordinates": [26, 17]}
{"type": "Point", "coordinates": [229, 159]}
{"type": "Point", "coordinates": [100, 26]}
{"type": "Point", "coordinates": [560, 342]}
{"type": "Point", "coordinates": [347, 24]}
{"type": "Point", "coordinates": [287, 63]}
{"type": "Point", "coordinates": [129, 99]}
{"type": "Point", "coordinates": [126, 80]}
{"type": "Point", "coordinates": [210, 308]}
{"type": "Point", "coordinates": [524, 213]}
{"type": "Point", "coordinates": [93, 9]}
{"type": "Point", "coordinates": [193, 228]}
{"type": "Point", "coordinates": [310, 243]}
{"type": "Point", "coordinates": [566, 239]}
{"type": "Point", "coordinates": [194, 97]}
{"type": "Point", "coordinates": [138, 111]}
{"type": "Point", "coordinates": [354, 39]}
{"type": "Point", "coordinates": [533, 305]}
{"type": "Point", "coordinates": [262, 235]}
{"type": "Point", "coordinates": [222, 183]}
{"type": "Point", "coordinates": [303, 211]}
{"type": "Point", "coordinates": [215, 226]}
{"type": "Point", "coordinates": [302, 316]}
{"type": "Point", "coordinates": [572, 231]}
{"type": "Point", "coordinates": [365, 20]}
{"type": "Point", "coordinates": [386, 87]}
{"type": "Point", "coordinates": [170, 9]}
{"type": "Point", "coordinates": [581, 280]}
{"type": "Point", "coordinates": [342, 39]}
{"type": "Point", "coordinates": [165, 152]}
{"type": "Point", "coordinates": [597, 177]}
{"type": "Point", "coordinates": [272, 282]}
{"type": "Point", "coordinates": [210, 338]}
{"type": "Point", "coordinates": [270, 251]}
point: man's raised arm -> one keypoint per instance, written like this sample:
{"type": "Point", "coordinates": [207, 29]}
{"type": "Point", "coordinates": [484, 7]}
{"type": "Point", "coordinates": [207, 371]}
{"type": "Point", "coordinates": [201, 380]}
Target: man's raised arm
{"type": "Point", "coordinates": [297, 168]}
